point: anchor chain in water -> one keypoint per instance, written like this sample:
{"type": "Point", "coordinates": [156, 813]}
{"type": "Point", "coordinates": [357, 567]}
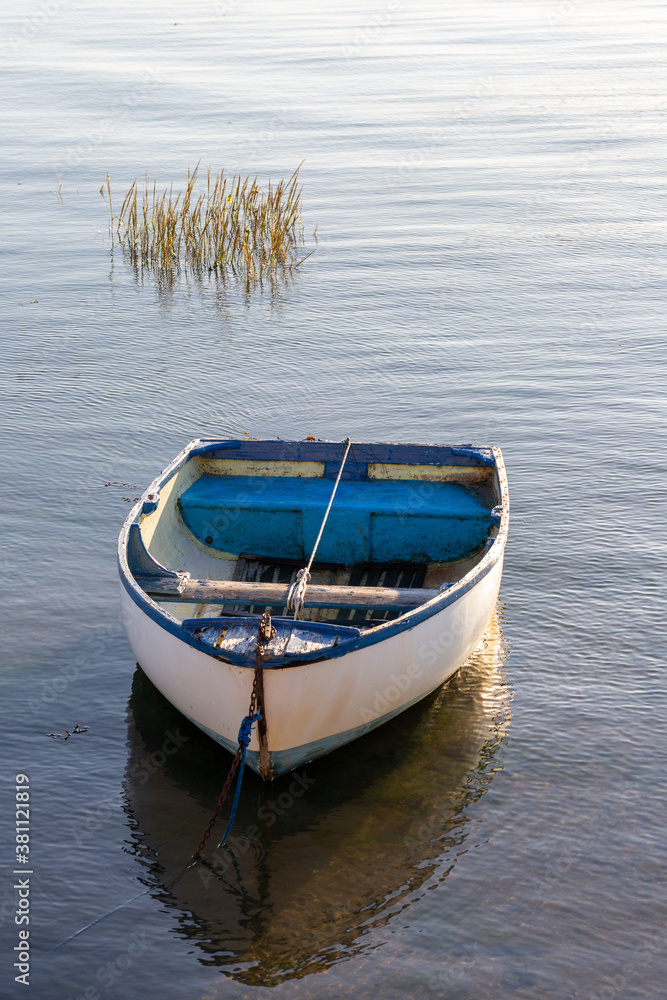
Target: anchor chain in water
{"type": "Point", "coordinates": [265, 634]}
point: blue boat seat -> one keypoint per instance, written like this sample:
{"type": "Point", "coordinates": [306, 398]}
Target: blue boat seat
{"type": "Point", "coordinates": [371, 521]}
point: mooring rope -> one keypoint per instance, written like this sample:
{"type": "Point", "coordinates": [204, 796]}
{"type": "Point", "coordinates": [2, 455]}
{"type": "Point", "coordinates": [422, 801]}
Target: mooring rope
{"type": "Point", "coordinates": [121, 906]}
{"type": "Point", "coordinates": [265, 633]}
{"type": "Point", "coordinates": [237, 765]}
{"type": "Point", "coordinates": [245, 733]}
{"type": "Point", "coordinates": [297, 592]}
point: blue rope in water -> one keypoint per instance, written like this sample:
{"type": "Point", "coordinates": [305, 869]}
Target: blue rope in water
{"type": "Point", "coordinates": [245, 732]}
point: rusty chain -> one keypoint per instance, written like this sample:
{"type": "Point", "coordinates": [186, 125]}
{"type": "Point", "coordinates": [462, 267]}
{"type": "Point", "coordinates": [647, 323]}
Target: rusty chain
{"type": "Point", "coordinates": [265, 633]}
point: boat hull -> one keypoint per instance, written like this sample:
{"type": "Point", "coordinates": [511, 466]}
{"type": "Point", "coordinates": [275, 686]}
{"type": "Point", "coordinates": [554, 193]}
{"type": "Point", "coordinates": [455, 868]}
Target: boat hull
{"type": "Point", "coordinates": [313, 708]}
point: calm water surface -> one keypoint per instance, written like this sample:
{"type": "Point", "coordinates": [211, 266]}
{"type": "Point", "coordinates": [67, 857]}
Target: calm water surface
{"type": "Point", "coordinates": [487, 180]}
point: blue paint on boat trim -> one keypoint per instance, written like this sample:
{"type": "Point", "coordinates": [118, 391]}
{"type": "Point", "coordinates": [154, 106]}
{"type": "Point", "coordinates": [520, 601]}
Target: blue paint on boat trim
{"type": "Point", "coordinates": [140, 561]}
{"type": "Point", "coordinates": [150, 503]}
{"type": "Point", "coordinates": [204, 448]}
{"type": "Point", "coordinates": [484, 455]}
{"type": "Point", "coordinates": [465, 456]}
{"type": "Point", "coordinates": [332, 451]}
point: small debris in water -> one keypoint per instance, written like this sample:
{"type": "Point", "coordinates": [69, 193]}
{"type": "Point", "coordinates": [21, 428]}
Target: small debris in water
{"type": "Point", "coordinates": [66, 735]}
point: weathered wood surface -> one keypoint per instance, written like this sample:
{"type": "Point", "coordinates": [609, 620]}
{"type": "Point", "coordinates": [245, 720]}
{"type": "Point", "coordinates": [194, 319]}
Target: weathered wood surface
{"type": "Point", "coordinates": [317, 596]}
{"type": "Point", "coordinates": [287, 642]}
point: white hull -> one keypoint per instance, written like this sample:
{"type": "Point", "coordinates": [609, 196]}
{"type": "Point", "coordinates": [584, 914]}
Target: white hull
{"type": "Point", "coordinates": [316, 707]}
{"type": "Point", "coordinates": [405, 504]}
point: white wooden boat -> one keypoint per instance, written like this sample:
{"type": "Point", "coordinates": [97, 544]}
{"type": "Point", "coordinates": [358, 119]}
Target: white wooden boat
{"type": "Point", "coordinates": [403, 587]}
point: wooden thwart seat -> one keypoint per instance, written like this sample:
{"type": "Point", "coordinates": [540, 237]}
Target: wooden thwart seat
{"type": "Point", "coordinates": [164, 584]}
{"type": "Point", "coordinates": [242, 592]}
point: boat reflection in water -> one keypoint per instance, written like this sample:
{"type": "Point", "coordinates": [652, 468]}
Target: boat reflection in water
{"type": "Point", "coordinates": [322, 855]}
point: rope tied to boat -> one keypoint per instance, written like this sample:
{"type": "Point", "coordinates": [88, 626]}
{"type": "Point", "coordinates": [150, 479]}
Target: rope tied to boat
{"type": "Point", "coordinates": [265, 633]}
{"type": "Point", "coordinates": [245, 734]}
{"type": "Point", "coordinates": [245, 730]}
{"type": "Point", "coordinates": [297, 592]}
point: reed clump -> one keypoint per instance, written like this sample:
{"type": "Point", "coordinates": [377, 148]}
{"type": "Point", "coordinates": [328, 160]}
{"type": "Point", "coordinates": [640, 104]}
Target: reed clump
{"type": "Point", "coordinates": [231, 226]}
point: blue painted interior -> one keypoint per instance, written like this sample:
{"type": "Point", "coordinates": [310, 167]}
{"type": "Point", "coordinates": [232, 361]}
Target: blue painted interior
{"type": "Point", "coordinates": [371, 521]}
{"type": "Point", "coordinates": [140, 561]}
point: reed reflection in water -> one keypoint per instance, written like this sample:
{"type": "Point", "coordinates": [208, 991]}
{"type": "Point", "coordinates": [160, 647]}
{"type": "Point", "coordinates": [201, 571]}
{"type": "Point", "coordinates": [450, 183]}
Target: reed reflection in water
{"type": "Point", "coordinates": [323, 855]}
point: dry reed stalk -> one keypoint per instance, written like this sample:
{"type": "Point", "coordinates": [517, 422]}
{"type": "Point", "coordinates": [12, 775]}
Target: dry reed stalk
{"type": "Point", "coordinates": [232, 225]}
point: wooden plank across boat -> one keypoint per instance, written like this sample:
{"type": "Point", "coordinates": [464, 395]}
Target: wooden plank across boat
{"type": "Point", "coordinates": [224, 591]}
{"type": "Point", "coordinates": [403, 585]}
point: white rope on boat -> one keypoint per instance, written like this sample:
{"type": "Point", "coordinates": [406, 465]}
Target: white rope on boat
{"type": "Point", "coordinates": [297, 592]}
